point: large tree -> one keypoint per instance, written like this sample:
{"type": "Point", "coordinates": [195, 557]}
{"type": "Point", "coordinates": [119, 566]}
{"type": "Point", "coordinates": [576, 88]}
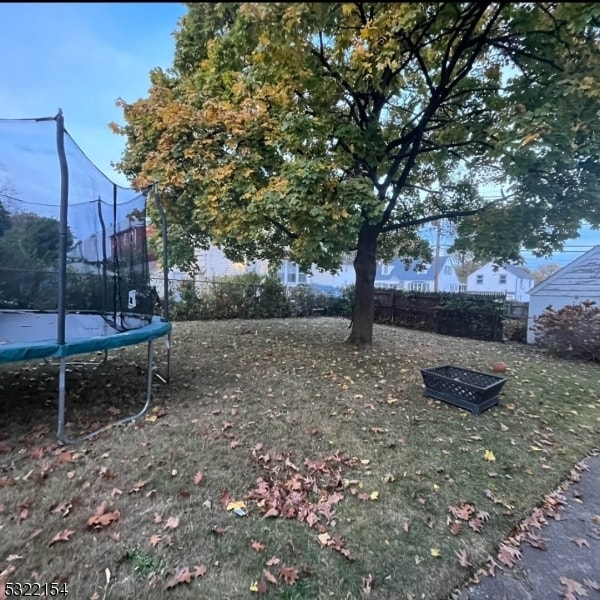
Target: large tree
{"type": "Point", "coordinates": [311, 130]}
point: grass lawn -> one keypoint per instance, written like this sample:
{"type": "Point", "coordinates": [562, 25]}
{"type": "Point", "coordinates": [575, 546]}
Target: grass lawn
{"type": "Point", "coordinates": [353, 485]}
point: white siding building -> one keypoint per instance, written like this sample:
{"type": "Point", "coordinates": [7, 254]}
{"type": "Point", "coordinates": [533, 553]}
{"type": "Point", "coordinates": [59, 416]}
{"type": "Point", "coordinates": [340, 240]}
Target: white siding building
{"type": "Point", "coordinates": [508, 279]}
{"type": "Point", "coordinates": [574, 283]}
{"type": "Point", "coordinates": [395, 275]}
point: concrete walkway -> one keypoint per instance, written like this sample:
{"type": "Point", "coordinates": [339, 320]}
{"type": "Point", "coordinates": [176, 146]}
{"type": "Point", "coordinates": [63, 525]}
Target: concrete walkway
{"type": "Point", "coordinates": [573, 552]}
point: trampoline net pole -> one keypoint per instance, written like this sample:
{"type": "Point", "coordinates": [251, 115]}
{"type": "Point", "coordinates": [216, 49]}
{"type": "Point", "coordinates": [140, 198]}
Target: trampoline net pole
{"type": "Point", "coordinates": [62, 227]}
{"type": "Point", "coordinates": [165, 259]}
{"type": "Point", "coordinates": [62, 392]}
{"type": "Point", "coordinates": [165, 252]}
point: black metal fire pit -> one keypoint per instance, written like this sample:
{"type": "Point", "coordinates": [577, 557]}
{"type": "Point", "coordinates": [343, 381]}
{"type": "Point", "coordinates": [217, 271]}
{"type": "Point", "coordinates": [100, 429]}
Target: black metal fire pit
{"type": "Point", "coordinates": [466, 388]}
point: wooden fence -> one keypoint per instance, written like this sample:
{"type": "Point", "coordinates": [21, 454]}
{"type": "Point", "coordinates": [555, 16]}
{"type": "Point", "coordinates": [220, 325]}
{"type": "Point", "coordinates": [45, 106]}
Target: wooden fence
{"type": "Point", "coordinates": [462, 315]}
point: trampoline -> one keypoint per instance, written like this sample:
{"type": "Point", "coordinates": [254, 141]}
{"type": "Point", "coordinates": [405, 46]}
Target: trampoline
{"type": "Point", "coordinates": [74, 258]}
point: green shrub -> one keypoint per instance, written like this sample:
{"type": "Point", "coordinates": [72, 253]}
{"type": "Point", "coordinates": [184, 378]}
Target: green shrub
{"type": "Point", "coordinates": [572, 331]}
{"type": "Point", "coordinates": [246, 296]}
{"type": "Point", "coordinates": [515, 330]}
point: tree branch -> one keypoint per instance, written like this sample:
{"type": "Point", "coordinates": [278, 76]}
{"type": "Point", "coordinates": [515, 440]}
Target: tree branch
{"type": "Point", "coordinates": [447, 215]}
{"type": "Point", "coordinates": [280, 226]}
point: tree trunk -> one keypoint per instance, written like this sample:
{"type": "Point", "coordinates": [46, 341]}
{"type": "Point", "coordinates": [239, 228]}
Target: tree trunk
{"type": "Point", "coordinates": [365, 266]}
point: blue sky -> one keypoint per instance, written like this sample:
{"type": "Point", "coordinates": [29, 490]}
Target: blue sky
{"type": "Point", "coordinates": [81, 57]}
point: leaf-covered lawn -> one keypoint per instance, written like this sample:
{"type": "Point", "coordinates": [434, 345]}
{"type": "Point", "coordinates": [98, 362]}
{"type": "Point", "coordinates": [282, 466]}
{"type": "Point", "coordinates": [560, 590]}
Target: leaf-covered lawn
{"type": "Point", "coordinates": [280, 461]}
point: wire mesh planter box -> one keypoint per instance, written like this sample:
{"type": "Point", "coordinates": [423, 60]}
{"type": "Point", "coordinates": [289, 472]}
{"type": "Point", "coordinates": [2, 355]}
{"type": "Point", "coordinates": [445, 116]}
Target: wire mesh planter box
{"type": "Point", "coordinates": [472, 390]}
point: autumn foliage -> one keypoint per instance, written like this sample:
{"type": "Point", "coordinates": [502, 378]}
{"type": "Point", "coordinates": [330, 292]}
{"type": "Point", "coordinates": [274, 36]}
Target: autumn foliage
{"type": "Point", "coordinates": [316, 130]}
{"type": "Point", "coordinates": [572, 331]}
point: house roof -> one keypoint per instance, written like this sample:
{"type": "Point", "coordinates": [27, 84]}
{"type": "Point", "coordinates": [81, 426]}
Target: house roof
{"type": "Point", "coordinates": [517, 272]}
{"type": "Point", "coordinates": [400, 273]}
{"type": "Point", "coordinates": [573, 264]}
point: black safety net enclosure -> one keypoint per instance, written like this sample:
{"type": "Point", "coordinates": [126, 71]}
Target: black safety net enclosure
{"type": "Point", "coordinates": [74, 253]}
{"type": "Point", "coordinates": [106, 259]}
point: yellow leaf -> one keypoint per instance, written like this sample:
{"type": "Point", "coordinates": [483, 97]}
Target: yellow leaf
{"type": "Point", "coordinates": [323, 538]}
{"type": "Point", "coordinates": [235, 505]}
{"type": "Point", "coordinates": [435, 552]}
{"type": "Point", "coordinates": [489, 455]}
{"type": "Point", "coordinates": [254, 586]}
{"type": "Point", "coordinates": [151, 418]}
{"type": "Point", "coordinates": [365, 461]}
{"type": "Point", "coordinates": [374, 495]}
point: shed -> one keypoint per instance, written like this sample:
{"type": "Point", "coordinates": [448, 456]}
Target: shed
{"type": "Point", "coordinates": [574, 283]}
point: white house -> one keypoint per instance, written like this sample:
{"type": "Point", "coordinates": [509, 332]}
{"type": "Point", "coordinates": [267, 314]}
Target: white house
{"type": "Point", "coordinates": [574, 283]}
{"type": "Point", "coordinates": [395, 275]}
{"type": "Point", "coordinates": [508, 279]}
{"type": "Point", "coordinates": [290, 275]}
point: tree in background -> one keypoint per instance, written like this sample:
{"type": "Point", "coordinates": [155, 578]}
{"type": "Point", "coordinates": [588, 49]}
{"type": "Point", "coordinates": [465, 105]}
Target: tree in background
{"type": "Point", "coordinates": [310, 130]}
{"type": "Point", "coordinates": [29, 248]}
{"type": "Point", "coordinates": [544, 271]}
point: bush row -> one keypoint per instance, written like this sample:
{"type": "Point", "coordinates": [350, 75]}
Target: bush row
{"type": "Point", "coordinates": [253, 296]}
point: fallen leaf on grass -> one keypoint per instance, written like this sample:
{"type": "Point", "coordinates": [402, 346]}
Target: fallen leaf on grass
{"type": "Point", "coordinates": [198, 477]}
{"type": "Point", "coordinates": [435, 552]}
{"type": "Point", "coordinates": [289, 575]}
{"type": "Point", "coordinates": [406, 526]}
{"type": "Point", "coordinates": [154, 539]}
{"type": "Point", "coordinates": [259, 587]}
{"type": "Point", "coordinates": [596, 519]}
{"type": "Point", "coordinates": [580, 542]}
{"type": "Point", "coordinates": [464, 512]}
{"type": "Point", "coordinates": [257, 546]}
{"type": "Point", "coordinates": [172, 523]}
{"type": "Point", "coordinates": [593, 585]}
{"type": "Point", "coordinates": [508, 555]}
{"type": "Point", "coordinates": [234, 444]}
{"type": "Point", "coordinates": [181, 576]}
{"type": "Point", "coordinates": [489, 456]}
{"type": "Point", "coordinates": [269, 576]}
{"type": "Point", "coordinates": [61, 508]}
{"type": "Point", "coordinates": [219, 530]}
{"type": "Point", "coordinates": [367, 584]}
{"type": "Point", "coordinates": [102, 517]}
{"type": "Point", "coordinates": [273, 561]}
{"type": "Point", "coordinates": [4, 576]}
{"type": "Point", "coordinates": [35, 533]}
{"type": "Point", "coordinates": [6, 482]}
{"type": "Point", "coordinates": [573, 590]}
{"type": "Point", "coordinates": [65, 457]}
{"type": "Point", "coordinates": [137, 487]}
{"type": "Point", "coordinates": [62, 536]}
{"type": "Point", "coordinates": [199, 571]}
{"type": "Point", "coordinates": [463, 559]}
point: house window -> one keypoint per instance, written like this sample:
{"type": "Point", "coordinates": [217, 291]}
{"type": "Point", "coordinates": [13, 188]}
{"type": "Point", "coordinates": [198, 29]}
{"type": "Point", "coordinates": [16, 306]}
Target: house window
{"type": "Point", "coordinates": [386, 269]}
{"type": "Point", "coordinates": [479, 279]}
{"type": "Point", "coordinates": [419, 286]}
{"type": "Point", "coordinates": [290, 274]}
{"type": "Point", "coordinates": [447, 270]}
{"type": "Point", "coordinates": [502, 279]}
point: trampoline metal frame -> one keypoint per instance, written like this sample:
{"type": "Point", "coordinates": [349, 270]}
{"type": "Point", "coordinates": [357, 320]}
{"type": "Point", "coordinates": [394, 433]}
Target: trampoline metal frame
{"type": "Point", "coordinates": [62, 408]}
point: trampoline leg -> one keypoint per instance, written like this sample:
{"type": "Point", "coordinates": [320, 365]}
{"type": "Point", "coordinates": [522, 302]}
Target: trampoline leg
{"type": "Point", "coordinates": [62, 393]}
{"type": "Point", "coordinates": [166, 379]}
{"type": "Point", "coordinates": [61, 403]}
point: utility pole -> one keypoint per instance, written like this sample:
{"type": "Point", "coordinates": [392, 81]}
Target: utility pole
{"type": "Point", "coordinates": [438, 236]}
